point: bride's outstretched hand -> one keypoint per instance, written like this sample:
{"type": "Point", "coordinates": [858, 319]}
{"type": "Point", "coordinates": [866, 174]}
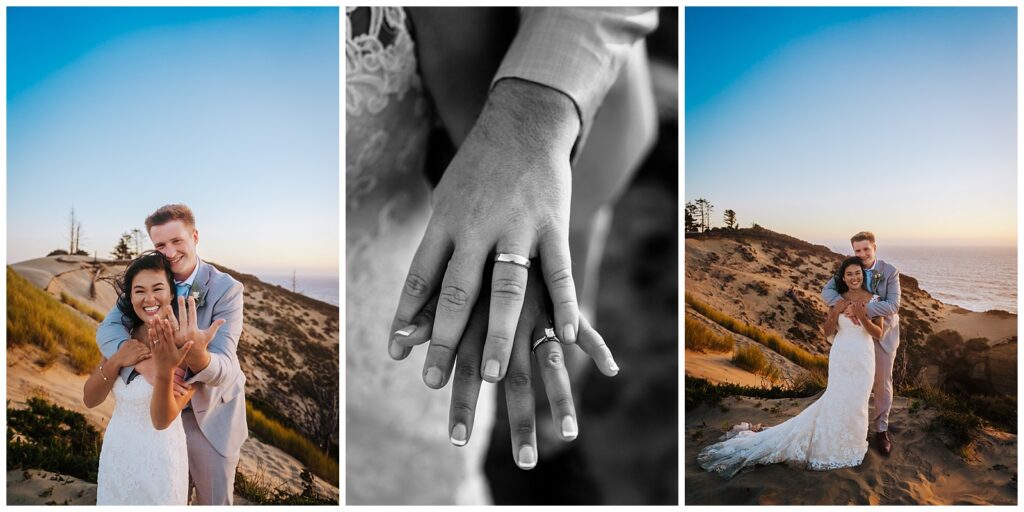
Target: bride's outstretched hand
{"type": "Point", "coordinates": [506, 191]}
{"type": "Point", "coordinates": [166, 355]}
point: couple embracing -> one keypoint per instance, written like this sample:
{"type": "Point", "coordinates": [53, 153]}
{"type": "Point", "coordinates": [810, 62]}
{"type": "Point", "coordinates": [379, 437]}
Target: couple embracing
{"type": "Point", "coordinates": [831, 433]}
{"type": "Point", "coordinates": [169, 358]}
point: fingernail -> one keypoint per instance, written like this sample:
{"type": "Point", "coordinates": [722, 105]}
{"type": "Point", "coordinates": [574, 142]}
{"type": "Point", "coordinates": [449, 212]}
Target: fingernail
{"type": "Point", "coordinates": [569, 430]}
{"type": "Point", "coordinates": [458, 437]}
{"type": "Point", "coordinates": [527, 457]}
{"type": "Point", "coordinates": [492, 368]}
{"type": "Point", "coordinates": [434, 376]}
{"type": "Point", "coordinates": [406, 331]}
{"type": "Point", "coordinates": [612, 366]}
{"type": "Point", "coordinates": [569, 334]}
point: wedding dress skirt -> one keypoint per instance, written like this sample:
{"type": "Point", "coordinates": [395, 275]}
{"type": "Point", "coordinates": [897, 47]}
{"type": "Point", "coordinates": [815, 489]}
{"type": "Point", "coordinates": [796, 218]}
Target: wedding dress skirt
{"type": "Point", "coordinates": [830, 433]}
{"type": "Point", "coordinates": [140, 465]}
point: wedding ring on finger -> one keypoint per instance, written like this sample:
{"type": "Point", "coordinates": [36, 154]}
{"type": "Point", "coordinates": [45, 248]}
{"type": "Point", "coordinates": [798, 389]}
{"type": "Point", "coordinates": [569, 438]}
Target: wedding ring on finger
{"type": "Point", "coordinates": [515, 259]}
{"type": "Point", "coordinates": [549, 335]}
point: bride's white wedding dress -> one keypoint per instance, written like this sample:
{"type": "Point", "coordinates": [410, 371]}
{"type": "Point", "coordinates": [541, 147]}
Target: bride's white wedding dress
{"type": "Point", "coordinates": [831, 433]}
{"type": "Point", "coordinates": [140, 465]}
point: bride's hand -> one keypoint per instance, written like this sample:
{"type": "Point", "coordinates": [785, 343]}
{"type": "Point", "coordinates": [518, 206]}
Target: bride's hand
{"type": "Point", "coordinates": [166, 356]}
{"type": "Point", "coordinates": [506, 191]}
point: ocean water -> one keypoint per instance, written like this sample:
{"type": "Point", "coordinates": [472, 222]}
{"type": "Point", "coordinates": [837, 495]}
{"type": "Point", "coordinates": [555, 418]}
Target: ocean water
{"type": "Point", "coordinates": [324, 288]}
{"type": "Point", "coordinates": [974, 278]}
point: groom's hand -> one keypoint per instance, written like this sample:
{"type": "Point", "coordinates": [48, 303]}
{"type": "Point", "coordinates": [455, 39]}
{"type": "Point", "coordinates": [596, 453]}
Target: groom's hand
{"type": "Point", "coordinates": [187, 329]}
{"type": "Point", "coordinates": [506, 191]}
{"type": "Point", "coordinates": [180, 386]}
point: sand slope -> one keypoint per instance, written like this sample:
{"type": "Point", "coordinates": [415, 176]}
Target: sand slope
{"type": "Point", "coordinates": [920, 470]}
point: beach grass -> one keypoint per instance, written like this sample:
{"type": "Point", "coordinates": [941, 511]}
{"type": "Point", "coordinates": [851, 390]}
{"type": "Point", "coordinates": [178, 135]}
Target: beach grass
{"type": "Point", "coordinates": [783, 347]}
{"type": "Point", "coordinates": [753, 360]}
{"type": "Point", "coordinates": [293, 443]}
{"type": "Point", "coordinates": [78, 305]}
{"type": "Point", "coordinates": [701, 339]}
{"type": "Point", "coordinates": [258, 491]}
{"type": "Point", "coordinates": [36, 318]}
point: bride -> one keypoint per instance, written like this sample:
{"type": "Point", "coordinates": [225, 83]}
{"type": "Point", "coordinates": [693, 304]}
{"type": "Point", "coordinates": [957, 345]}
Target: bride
{"type": "Point", "coordinates": [144, 459]}
{"type": "Point", "coordinates": [831, 433]}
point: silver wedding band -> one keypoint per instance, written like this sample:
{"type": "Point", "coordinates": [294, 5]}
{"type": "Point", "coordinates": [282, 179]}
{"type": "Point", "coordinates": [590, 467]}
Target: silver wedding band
{"type": "Point", "coordinates": [549, 335]}
{"type": "Point", "coordinates": [514, 259]}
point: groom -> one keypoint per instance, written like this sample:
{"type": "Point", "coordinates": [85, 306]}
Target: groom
{"type": "Point", "coordinates": [214, 419]}
{"type": "Point", "coordinates": [883, 280]}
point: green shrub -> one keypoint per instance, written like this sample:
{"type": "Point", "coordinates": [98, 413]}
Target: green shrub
{"type": "Point", "coordinates": [36, 318]}
{"type": "Point", "coordinates": [52, 438]}
{"type": "Point", "coordinates": [701, 339]}
{"type": "Point", "coordinates": [699, 391]}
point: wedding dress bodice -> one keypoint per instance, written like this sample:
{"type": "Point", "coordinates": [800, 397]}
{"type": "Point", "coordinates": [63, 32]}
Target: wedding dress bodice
{"type": "Point", "coordinates": [830, 433]}
{"type": "Point", "coordinates": [140, 465]}
{"type": "Point", "coordinates": [398, 450]}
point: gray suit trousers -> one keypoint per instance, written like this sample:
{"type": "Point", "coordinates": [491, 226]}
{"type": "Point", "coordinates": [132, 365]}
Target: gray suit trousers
{"type": "Point", "coordinates": [211, 474]}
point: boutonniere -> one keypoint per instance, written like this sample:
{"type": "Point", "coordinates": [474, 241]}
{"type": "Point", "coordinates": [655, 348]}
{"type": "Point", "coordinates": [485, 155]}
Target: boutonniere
{"type": "Point", "coordinates": [199, 294]}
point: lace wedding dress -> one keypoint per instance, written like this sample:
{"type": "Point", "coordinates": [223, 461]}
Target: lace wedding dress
{"type": "Point", "coordinates": [397, 428]}
{"type": "Point", "coordinates": [830, 433]}
{"type": "Point", "coordinates": [140, 465]}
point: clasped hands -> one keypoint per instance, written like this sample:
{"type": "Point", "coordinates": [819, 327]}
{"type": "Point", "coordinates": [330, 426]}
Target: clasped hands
{"type": "Point", "coordinates": [507, 191]}
{"type": "Point", "coordinates": [173, 342]}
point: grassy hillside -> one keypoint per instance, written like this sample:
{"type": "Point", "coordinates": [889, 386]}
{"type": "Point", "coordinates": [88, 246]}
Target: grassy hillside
{"type": "Point", "coordinates": [35, 317]}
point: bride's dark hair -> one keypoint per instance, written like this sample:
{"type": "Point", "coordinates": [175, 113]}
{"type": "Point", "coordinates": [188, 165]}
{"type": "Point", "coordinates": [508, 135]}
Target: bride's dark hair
{"type": "Point", "coordinates": [840, 284]}
{"type": "Point", "coordinates": [149, 260]}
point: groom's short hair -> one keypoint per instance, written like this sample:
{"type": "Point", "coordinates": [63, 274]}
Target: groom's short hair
{"type": "Point", "coordinates": [169, 212]}
{"type": "Point", "coordinates": [863, 235]}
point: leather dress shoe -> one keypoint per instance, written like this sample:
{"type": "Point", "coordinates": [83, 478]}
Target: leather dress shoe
{"type": "Point", "coordinates": [883, 443]}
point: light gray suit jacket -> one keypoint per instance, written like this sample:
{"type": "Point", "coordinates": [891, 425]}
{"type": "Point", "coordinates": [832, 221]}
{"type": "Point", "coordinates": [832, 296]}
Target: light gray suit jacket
{"type": "Point", "coordinates": [219, 398]}
{"type": "Point", "coordinates": [887, 286]}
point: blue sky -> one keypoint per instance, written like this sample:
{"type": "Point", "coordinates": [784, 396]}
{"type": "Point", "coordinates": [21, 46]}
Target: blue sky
{"type": "Point", "coordinates": [233, 111]}
{"type": "Point", "coordinates": [821, 122]}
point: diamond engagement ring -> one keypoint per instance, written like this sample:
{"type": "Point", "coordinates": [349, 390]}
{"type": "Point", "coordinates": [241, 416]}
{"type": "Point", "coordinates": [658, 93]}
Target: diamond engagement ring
{"type": "Point", "coordinates": [549, 335]}
{"type": "Point", "coordinates": [514, 259]}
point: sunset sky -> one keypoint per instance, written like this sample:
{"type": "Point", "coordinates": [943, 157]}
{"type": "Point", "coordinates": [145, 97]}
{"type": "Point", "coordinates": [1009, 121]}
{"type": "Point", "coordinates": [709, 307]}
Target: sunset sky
{"type": "Point", "coordinates": [822, 122]}
{"type": "Point", "coordinates": [233, 111]}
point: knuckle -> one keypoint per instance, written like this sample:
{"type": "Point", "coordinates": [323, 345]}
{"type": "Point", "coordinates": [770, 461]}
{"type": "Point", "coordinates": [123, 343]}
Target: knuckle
{"type": "Point", "coordinates": [563, 402]}
{"type": "Point", "coordinates": [453, 297]}
{"type": "Point", "coordinates": [524, 428]}
{"type": "Point", "coordinates": [463, 408]}
{"type": "Point", "coordinates": [560, 277]}
{"type": "Point", "coordinates": [466, 371]}
{"type": "Point", "coordinates": [554, 360]}
{"type": "Point", "coordinates": [416, 286]}
{"type": "Point", "coordinates": [441, 351]}
{"type": "Point", "coordinates": [507, 289]}
{"type": "Point", "coordinates": [518, 379]}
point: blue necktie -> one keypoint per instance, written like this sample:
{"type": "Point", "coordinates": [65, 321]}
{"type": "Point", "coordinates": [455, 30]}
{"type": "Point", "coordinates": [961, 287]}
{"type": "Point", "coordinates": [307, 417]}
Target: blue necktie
{"type": "Point", "coordinates": [867, 275]}
{"type": "Point", "coordinates": [183, 289]}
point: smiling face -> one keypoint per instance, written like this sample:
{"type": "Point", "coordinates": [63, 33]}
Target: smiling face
{"type": "Point", "coordinates": [853, 276]}
{"type": "Point", "coordinates": [150, 292]}
{"type": "Point", "coordinates": [865, 250]}
{"type": "Point", "coordinates": [177, 241]}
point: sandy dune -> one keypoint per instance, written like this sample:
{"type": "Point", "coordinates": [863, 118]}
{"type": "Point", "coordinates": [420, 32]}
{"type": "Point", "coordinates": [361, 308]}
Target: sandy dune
{"type": "Point", "coordinates": [921, 469]}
